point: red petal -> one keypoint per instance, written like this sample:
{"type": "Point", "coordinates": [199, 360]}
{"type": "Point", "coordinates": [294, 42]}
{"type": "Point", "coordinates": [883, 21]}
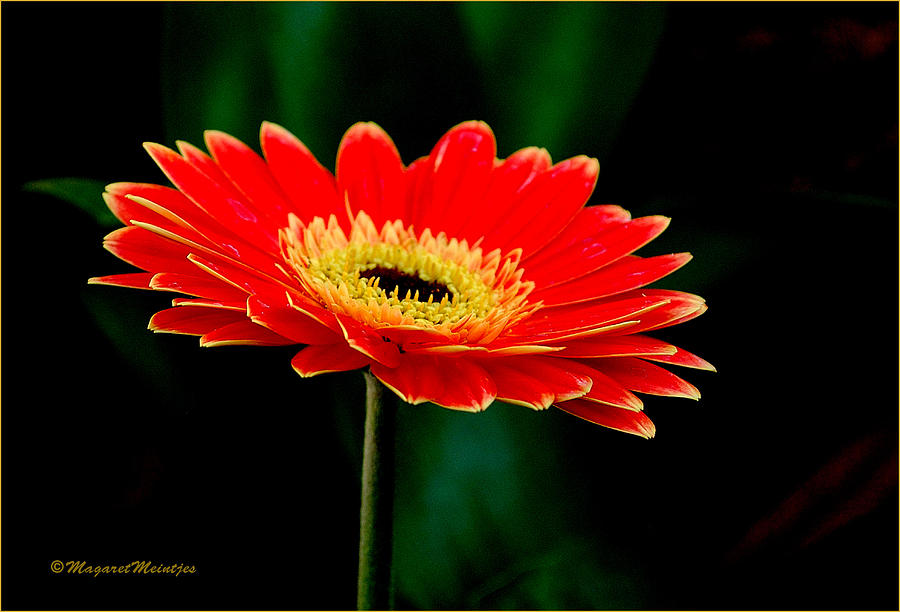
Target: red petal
{"type": "Point", "coordinates": [257, 284]}
{"type": "Point", "coordinates": [548, 205]}
{"type": "Point", "coordinates": [450, 382]}
{"type": "Point", "coordinates": [604, 214]}
{"type": "Point", "coordinates": [556, 340]}
{"type": "Point", "coordinates": [536, 381]}
{"type": "Point", "coordinates": [683, 358]}
{"type": "Point", "coordinates": [632, 306]}
{"type": "Point", "coordinates": [626, 274]}
{"type": "Point", "coordinates": [684, 319]}
{"type": "Point", "coordinates": [308, 185]}
{"type": "Point", "coordinates": [249, 173]}
{"type": "Point", "coordinates": [193, 320]}
{"type": "Point", "coordinates": [369, 342]}
{"type": "Point", "coordinates": [416, 178]}
{"type": "Point", "coordinates": [592, 250]}
{"type": "Point", "coordinates": [192, 222]}
{"type": "Point", "coordinates": [288, 322]}
{"type": "Point", "coordinates": [521, 349]}
{"type": "Point", "coordinates": [148, 251]}
{"type": "Point", "coordinates": [127, 210]}
{"type": "Point", "coordinates": [218, 201]}
{"type": "Point", "coordinates": [271, 268]}
{"type": "Point", "coordinates": [243, 332]}
{"type": "Point", "coordinates": [201, 286]}
{"type": "Point", "coordinates": [508, 180]}
{"type": "Point", "coordinates": [616, 346]}
{"type": "Point", "coordinates": [456, 178]}
{"type": "Point", "coordinates": [167, 198]}
{"type": "Point", "coordinates": [370, 173]}
{"type": "Point", "coordinates": [638, 375]}
{"type": "Point", "coordinates": [607, 390]}
{"type": "Point", "coordinates": [322, 358]}
{"type": "Point", "coordinates": [633, 312]}
{"type": "Point", "coordinates": [205, 164]}
{"type": "Point", "coordinates": [240, 306]}
{"type": "Point", "coordinates": [305, 305]}
{"type": "Point", "coordinates": [589, 221]}
{"type": "Point", "coordinates": [134, 280]}
{"type": "Point", "coordinates": [414, 338]}
{"type": "Point", "coordinates": [246, 279]}
{"type": "Point", "coordinates": [615, 418]}
{"type": "Point", "coordinates": [682, 309]}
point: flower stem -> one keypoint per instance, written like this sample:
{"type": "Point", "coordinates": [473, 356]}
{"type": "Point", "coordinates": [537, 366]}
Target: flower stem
{"type": "Point", "coordinates": [374, 588]}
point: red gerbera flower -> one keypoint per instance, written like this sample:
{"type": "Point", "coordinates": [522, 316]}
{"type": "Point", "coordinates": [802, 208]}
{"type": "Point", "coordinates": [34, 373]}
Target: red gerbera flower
{"type": "Point", "coordinates": [458, 279]}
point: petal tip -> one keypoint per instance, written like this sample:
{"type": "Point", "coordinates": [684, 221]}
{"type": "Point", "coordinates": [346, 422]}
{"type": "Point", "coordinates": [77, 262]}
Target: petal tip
{"type": "Point", "coordinates": [118, 188]}
{"type": "Point", "coordinates": [216, 139]}
{"type": "Point", "coordinates": [155, 148]}
{"type": "Point", "coordinates": [363, 129]}
{"type": "Point", "coordinates": [474, 125]}
{"type": "Point", "coordinates": [269, 129]}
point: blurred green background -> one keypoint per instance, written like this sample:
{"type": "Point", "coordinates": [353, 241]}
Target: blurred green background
{"type": "Point", "coordinates": [768, 132]}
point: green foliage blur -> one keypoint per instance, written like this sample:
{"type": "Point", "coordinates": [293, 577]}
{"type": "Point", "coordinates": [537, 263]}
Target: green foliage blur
{"type": "Point", "coordinates": [768, 133]}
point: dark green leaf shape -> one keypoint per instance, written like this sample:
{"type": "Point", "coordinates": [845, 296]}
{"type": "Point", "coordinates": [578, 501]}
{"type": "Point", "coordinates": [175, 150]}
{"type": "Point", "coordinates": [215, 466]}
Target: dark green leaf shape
{"type": "Point", "coordinates": [221, 73]}
{"type": "Point", "coordinates": [489, 515]}
{"type": "Point", "coordinates": [86, 194]}
{"type": "Point", "coordinates": [562, 73]}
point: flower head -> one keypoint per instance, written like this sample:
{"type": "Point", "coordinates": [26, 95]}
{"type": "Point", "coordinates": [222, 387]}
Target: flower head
{"type": "Point", "coordinates": [457, 280]}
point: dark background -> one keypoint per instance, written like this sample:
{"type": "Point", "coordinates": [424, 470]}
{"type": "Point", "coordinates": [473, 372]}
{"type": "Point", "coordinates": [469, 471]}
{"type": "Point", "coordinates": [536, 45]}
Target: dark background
{"type": "Point", "coordinates": [768, 132]}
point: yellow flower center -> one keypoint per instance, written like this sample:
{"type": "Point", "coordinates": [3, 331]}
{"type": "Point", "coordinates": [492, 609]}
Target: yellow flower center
{"type": "Point", "coordinates": [394, 277]}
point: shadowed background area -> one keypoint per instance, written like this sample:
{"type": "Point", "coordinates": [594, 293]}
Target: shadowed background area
{"type": "Point", "coordinates": [768, 132]}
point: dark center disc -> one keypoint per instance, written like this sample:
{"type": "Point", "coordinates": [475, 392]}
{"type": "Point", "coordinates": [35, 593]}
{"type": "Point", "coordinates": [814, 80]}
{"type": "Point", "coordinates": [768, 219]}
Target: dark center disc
{"type": "Point", "coordinates": [391, 278]}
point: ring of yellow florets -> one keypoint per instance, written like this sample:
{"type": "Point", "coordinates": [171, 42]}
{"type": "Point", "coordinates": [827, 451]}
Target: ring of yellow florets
{"type": "Point", "coordinates": [393, 277]}
{"type": "Point", "coordinates": [459, 292]}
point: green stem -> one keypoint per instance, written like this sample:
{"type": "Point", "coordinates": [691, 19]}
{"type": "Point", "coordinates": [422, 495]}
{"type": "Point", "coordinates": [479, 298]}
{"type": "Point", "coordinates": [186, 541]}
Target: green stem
{"type": "Point", "coordinates": [374, 588]}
